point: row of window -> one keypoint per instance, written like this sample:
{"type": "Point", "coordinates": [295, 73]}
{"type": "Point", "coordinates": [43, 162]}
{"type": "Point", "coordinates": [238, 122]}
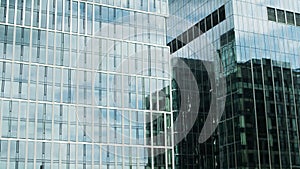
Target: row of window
{"type": "Point", "coordinates": [84, 18]}
{"type": "Point", "coordinates": [198, 29]}
{"type": "Point", "coordinates": [76, 10]}
{"type": "Point", "coordinates": [61, 49]}
{"type": "Point", "coordinates": [60, 85]}
{"type": "Point", "coordinates": [282, 16]}
{"type": "Point", "coordinates": [158, 6]}
{"type": "Point", "coordinates": [60, 122]}
{"type": "Point", "coordinates": [69, 155]}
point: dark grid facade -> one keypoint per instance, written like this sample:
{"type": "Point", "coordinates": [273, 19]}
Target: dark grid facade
{"type": "Point", "coordinates": [188, 153]}
{"type": "Point", "coordinates": [258, 44]}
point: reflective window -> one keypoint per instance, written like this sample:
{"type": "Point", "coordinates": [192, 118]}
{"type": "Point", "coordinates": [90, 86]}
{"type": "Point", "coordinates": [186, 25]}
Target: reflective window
{"type": "Point", "coordinates": [271, 14]}
{"type": "Point", "coordinates": [297, 19]}
{"type": "Point", "coordinates": [281, 16]}
{"type": "Point", "coordinates": [67, 17]}
{"type": "Point", "coordinates": [290, 18]}
{"type": "Point", "coordinates": [63, 95]}
{"type": "Point", "coordinates": [287, 17]}
{"type": "Point", "coordinates": [215, 18]}
{"type": "Point", "coordinates": [243, 139]}
{"type": "Point", "coordinates": [202, 26]}
{"type": "Point", "coordinates": [208, 23]}
{"type": "Point", "coordinates": [222, 14]}
{"type": "Point", "coordinates": [74, 17]}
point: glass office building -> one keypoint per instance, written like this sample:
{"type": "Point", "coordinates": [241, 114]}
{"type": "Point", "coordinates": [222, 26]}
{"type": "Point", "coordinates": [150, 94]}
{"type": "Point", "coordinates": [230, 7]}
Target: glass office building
{"type": "Point", "coordinates": [74, 80]}
{"type": "Point", "coordinates": [258, 44]}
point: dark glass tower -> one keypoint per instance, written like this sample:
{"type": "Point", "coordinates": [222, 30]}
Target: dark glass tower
{"type": "Point", "coordinates": [258, 45]}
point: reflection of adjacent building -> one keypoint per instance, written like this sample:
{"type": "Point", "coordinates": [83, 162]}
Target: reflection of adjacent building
{"type": "Point", "coordinates": [258, 44]}
{"type": "Point", "coordinates": [260, 121]}
{"type": "Point", "coordinates": [158, 128]}
{"type": "Point", "coordinates": [259, 126]}
{"type": "Point", "coordinates": [189, 153]}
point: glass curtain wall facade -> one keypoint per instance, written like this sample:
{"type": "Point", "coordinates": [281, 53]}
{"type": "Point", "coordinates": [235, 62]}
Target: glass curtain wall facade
{"type": "Point", "coordinates": [74, 78]}
{"type": "Point", "coordinates": [194, 37]}
{"type": "Point", "coordinates": [188, 152]}
{"type": "Point", "coordinates": [258, 43]}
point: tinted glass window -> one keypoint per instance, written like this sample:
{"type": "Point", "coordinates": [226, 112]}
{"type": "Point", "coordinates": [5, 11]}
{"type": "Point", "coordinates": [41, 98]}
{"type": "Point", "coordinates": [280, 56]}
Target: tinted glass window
{"type": "Point", "coordinates": [222, 15]}
{"type": "Point", "coordinates": [280, 16]}
{"type": "Point", "coordinates": [196, 30]}
{"type": "Point", "coordinates": [231, 35]}
{"type": "Point", "coordinates": [215, 18]}
{"type": "Point", "coordinates": [191, 34]}
{"type": "Point", "coordinates": [290, 18]}
{"type": "Point", "coordinates": [208, 22]}
{"type": "Point", "coordinates": [223, 39]}
{"type": "Point", "coordinates": [297, 19]}
{"type": "Point", "coordinates": [227, 37]}
{"type": "Point", "coordinates": [184, 38]}
{"type": "Point", "coordinates": [271, 14]}
{"type": "Point", "coordinates": [173, 46]}
{"type": "Point", "coordinates": [179, 44]}
{"type": "Point", "coordinates": [202, 26]}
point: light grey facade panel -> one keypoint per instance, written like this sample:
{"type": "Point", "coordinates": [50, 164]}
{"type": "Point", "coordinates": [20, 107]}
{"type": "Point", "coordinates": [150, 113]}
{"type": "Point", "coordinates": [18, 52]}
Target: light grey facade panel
{"type": "Point", "coordinates": [75, 76]}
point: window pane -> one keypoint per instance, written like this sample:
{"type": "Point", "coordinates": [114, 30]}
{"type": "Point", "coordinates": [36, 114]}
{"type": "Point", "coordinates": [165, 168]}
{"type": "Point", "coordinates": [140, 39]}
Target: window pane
{"type": "Point", "coordinates": [243, 139]}
{"type": "Point", "coordinates": [208, 22]}
{"type": "Point", "coordinates": [271, 14]}
{"type": "Point", "coordinates": [184, 38]}
{"type": "Point", "coordinates": [290, 18]}
{"type": "Point", "coordinates": [297, 19]}
{"type": "Point", "coordinates": [196, 30]}
{"type": "Point", "coordinates": [223, 39]}
{"type": "Point", "coordinates": [280, 16]}
{"type": "Point", "coordinates": [231, 35]}
{"type": "Point", "coordinates": [202, 26]}
{"type": "Point", "coordinates": [215, 18]}
{"type": "Point", "coordinates": [191, 34]}
{"type": "Point", "coordinates": [222, 15]}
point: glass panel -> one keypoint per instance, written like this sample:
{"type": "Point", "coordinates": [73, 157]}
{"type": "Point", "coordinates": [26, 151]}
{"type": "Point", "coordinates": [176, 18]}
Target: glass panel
{"type": "Point", "coordinates": [290, 18]}
{"type": "Point", "coordinates": [202, 26]}
{"type": "Point", "coordinates": [74, 17]}
{"type": "Point", "coordinates": [271, 14]}
{"type": "Point", "coordinates": [243, 139]}
{"type": "Point", "coordinates": [215, 18]}
{"type": "Point", "coordinates": [280, 16]}
{"type": "Point", "coordinates": [297, 19]}
{"type": "Point", "coordinates": [208, 22]}
{"type": "Point", "coordinates": [222, 15]}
